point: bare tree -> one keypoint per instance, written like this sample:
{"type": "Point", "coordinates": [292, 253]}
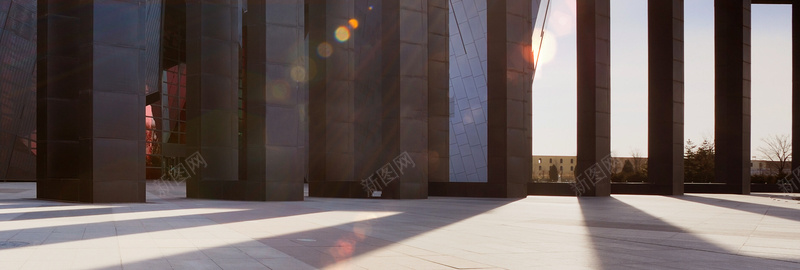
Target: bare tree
{"type": "Point", "coordinates": [614, 167]}
{"type": "Point", "coordinates": [637, 160]}
{"type": "Point", "coordinates": [778, 150]}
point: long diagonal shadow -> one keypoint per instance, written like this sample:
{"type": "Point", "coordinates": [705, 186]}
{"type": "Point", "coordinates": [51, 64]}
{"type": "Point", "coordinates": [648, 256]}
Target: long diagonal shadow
{"type": "Point", "coordinates": [610, 223]}
{"type": "Point", "coordinates": [231, 214]}
{"type": "Point", "coordinates": [791, 214]}
{"type": "Point", "coordinates": [330, 245]}
{"type": "Point", "coordinates": [59, 213]}
{"type": "Point", "coordinates": [340, 242]}
{"type": "Point", "coordinates": [613, 224]}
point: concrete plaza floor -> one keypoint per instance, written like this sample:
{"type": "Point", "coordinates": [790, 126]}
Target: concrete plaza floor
{"type": "Point", "coordinates": [695, 231]}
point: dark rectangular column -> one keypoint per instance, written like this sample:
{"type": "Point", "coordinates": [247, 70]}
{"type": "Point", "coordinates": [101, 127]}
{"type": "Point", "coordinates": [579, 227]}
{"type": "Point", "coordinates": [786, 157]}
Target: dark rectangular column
{"type": "Point", "coordinates": [366, 36]}
{"type": "Point", "coordinates": [795, 86]}
{"type": "Point", "coordinates": [438, 87]}
{"type": "Point", "coordinates": [331, 103]}
{"type": "Point", "coordinates": [404, 89]}
{"type": "Point", "coordinates": [317, 100]}
{"type": "Point", "coordinates": [212, 77]}
{"type": "Point", "coordinates": [510, 69]}
{"type": "Point", "coordinates": [594, 93]}
{"type": "Point", "coordinates": [665, 125]}
{"type": "Point", "coordinates": [732, 94]}
{"type": "Point", "coordinates": [91, 101]}
{"type": "Point", "coordinates": [339, 95]}
{"type": "Point", "coordinates": [275, 74]}
{"type": "Point", "coordinates": [344, 96]}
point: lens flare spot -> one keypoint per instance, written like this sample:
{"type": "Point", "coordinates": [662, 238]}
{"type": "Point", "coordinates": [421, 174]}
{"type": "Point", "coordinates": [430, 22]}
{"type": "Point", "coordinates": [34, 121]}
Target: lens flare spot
{"type": "Point", "coordinates": [298, 74]}
{"type": "Point", "coordinates": [343, 250]}
{"type": "Point", "coordinates": [324, 50]}
{"type": "Point", "coordinates": [342, 34]}
{"type": "Point", "coordinates": [549, 48]}
{"type": "Point", "coordinates": [353, 23]}
{"type": "Point", "coordinates": [279, 90]}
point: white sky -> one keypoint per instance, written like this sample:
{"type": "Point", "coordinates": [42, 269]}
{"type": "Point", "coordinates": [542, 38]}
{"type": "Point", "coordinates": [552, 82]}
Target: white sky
{"type": "Point", "coordinates": [554, 89]}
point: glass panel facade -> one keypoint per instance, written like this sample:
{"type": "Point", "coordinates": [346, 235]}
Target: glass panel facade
{"type": "Point", "coordinates": [166, 123]}
{"type": "Point", "coordinates": [468, 92]}
{"type": "Point", "coordinates": [17, 90]}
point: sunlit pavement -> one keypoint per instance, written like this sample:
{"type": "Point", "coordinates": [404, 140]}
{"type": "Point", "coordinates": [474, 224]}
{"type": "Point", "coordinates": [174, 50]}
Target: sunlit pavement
{"type": "Point", "coordinates": [759, 231]}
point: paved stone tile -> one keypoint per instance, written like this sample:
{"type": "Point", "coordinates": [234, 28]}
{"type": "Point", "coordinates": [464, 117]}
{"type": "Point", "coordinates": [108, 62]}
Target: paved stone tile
{"type": "Point", "coordinates": [225, 253]}
{"type": "Point", "coordinates": [13, 264]}
{"type": "Point", "coordinates": [147, 264]}
{"type": "Point", "coordinates": [454, 262]}
{"type": "Point", "coordinates": [263, 252]}
{"type": "Point", "coordinates": [193, 264]}
{"type": "Point", "coordinates": [46, 264]}
{"type": "Point", "coordinates": [708, 231]}
{"type": "Point", "coordinates": [285, 263]}
{"type": "Point", "coordinates": [239, 264]}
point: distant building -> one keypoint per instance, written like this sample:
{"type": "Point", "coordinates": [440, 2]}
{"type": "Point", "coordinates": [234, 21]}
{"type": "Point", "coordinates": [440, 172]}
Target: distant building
{"type": "Point", "coordinates": [565, 165]}
{"type": "Point", "coordinates": [765, 167]}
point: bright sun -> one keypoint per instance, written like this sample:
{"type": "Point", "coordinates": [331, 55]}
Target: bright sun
{"type": "Point", "coordinates": [549, 47]}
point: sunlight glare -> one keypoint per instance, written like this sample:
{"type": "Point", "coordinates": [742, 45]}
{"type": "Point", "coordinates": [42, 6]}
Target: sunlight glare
{"type": "Point", "coordinates": [549, 47]}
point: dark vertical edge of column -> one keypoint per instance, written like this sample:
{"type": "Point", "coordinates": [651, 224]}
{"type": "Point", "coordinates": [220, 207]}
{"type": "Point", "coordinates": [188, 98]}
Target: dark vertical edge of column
{"type": "Point", "coordinates": [665, 105]}
{"type": "Point", "coordinates": [149, 66]}
{"type": "Point", "coordinates": [305, 104]}
{"type": "Point", "coordinates": [603, 91]}
{"type": "Point", "coordinates": [295, 184]}
{"type": "Point", "coordinates": [593, 36]}
{"type": "Point", "coordinates": [255, 101]}
{"type": "Point", "coordinates": [42, 60]}
{"type": "Point", "coordinates": [678, 109]}
{"type": "Point", "coordinates": [497, 95]}
{"type": "Point", "coordinates": [438, 87]}
{"type": "Point", "coordinates": [796, 85]}
{"type": "Point", "coordinates": [390, 85]}
{"type": "Point", "coordinates": [585, 36]}
{"type": "Point", "coordinates": [732, 94]}
{"type": "Point", "coordinates": [193, 108]}
{"type": "Point", "coordinates": [85, 98]}
{"type": "Point", "coordinates": [234, 187]}
{"type": "Point", "coordinates": [317, 104]}
{"type": "Point", "coordinates": [744, 161]}
{"type": "Point", "coordinates": [363, 142]}
{"type": "Point", "coordinates": [531, 14]}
